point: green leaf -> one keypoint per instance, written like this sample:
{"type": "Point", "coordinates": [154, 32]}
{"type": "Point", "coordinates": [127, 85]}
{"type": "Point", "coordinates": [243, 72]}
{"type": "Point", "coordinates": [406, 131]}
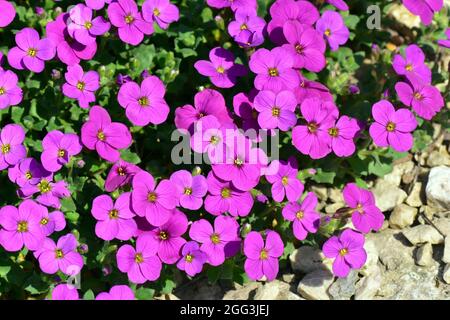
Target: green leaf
{"type": "Point", "coordinates": [323, 176]}
{"type": "Point", "coordinates": [144, 293]}
{"type": "Point", "coordinates": [89, 295]}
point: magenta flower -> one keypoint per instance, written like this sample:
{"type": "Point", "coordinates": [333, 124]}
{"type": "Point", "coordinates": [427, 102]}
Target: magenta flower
{"type": "Point", "coordinates": [81, 85]}
{"type": "Point", "coordinates": [192, 258]}
{"type": "Point", "coordinates": [424, 8]}
{"type": "Point", "coordinates": [311, 89]}
{"type": "Point", "coordinates": [28, 172]}
{"type": "Point", "coordinates": [65, 292]}
{"type": "Point", "coordinates": [426, 100]}
{"type": "Point", "coordinates": [11, 144]}
{"type": "Point", "coordinates": [82, 27]}
{"type": "Point", "coordinates": [69, 50]}
{"type": "Point", "coordinates": [365, 214]}
{"type": "Point", "coordinates": [115, 219]}
{"type": "Point", "coordinates": [120, 292]}
{"type": "Point", "coordinates": [276, 110]}
{"type": "Point", "coordinates": [224, 197]}
{"type": "Point", "coordinates": [290, 10]}
{"type": "Point", "coordinates": [234, 4]}
{"type": "Point", "coordinates": [262, 256]}
{"type": "Point", "coordinates": [31, 51]}
{"type": "Point", "coordinates": [305, 217]}
{"type": "Point", "coordinates": [144, 104]}
{"type": "Point", "coordinates": [51, 222]}
{"type": "Point", "coordinates": [305, 45]}
{"type": "Point", "coordinates": [156, 203]}
{"type": "Point", "coordinates": [206, 102]}
{"type": "Point", "coordinates": [217, 242]}
{"type": "Point", "coordinates": [168, 237]}
{"type": "Point", "coordinates": [243, 106]}
{"type": "Point", "coordinates": [342, 135]}
{"type": "Point", "coordinates": [247, 28]}
{"type": "Point", "coordinates": [274, 69]}
{"type": "Point", "coordinates": [21, 227]}
{"type": "Point", "coordinates": [160, 11]}
{"type": "Point", "coordinates": [313, 139]}
{"type": "Point", "coordinates": [221, 70]}
{"type": "Point", "coordinates": [50, 193]}
{"type": "Point", "coordinates": [105, 136]}
{"type": "Point", "coordinates": [392, 128]}
{"type": "Point", "coordinates": [120, 175]}
{"type": "Point", "coordinates": [96, 4]}
{"type": "Point", "coordinates": [8, 13]}
{"type": "Point", "coordinates": [61, 256]}
{"type": "Point", "coordinates": [141, 264]}
{"type": "Point", "coordinates": [347, 250]}
{"type": "Point", "coordinates": [125, 15]}
{"type": "Point", "coordinates": [339, 4]}
{"type": "Point", "coordinates": [58, 148]}
{"type": "Point", "coordinates": [445, 42]}
{"type": "Point", "coordinates": [413, 66]}
{"type": "Point", "coordinates": [190, 189]}
{"type": "Point", "coordinates": [283, 177]}
{"type": "Point", "coordinates": [332, 26]}
{"type": "Point", "coordinates": [10, 93]}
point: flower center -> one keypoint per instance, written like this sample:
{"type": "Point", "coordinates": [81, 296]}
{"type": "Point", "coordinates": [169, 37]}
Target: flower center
{"type": "Point", "coordinates": [28, 175]}
{"type": "Point", "coordinates": [221, 69]}
{"type": "Point", "coordinates": [121, 171]}
{"type": "Point", "coordinates": [418, 96]}
{"type": "Point", "coordinates": [6, 148]}
{"type": "Point", "coordinates": [143, 101]}
{"type": "Point", "coordinates": [273, 72]}
{"type": "Point", "coordinates": [163, 235]}
{"type": "Point", "coordinates": [359, 208]}
{"type": "Point", "coordinates": [215, 238]}
{"type": "Point", "coordinates": [409, 67]}
{"type": "Point", "coordinates": [225, 193]}
{"type": "Point", "coordinates": [59, 254]}
{"type": "Point", "coordinates": [189, 258]}
{"type": "Point", "coordinates": [156, 12]}
{"type": "Point", "coordinates": [81, 85]}
{"type": "Point", "coordinates": [334, 132]}
{"type": "Point", "coordinates": [100, 135]}
{"type": "Point", "coordinates": [32, 52]}
{"type": "Point", "coordinates": [299, 48]}
{"type": "Point", "coordinates": [138, 258]}
{"type": "Point", "coordinates": [151, 197]}
{"type": "Point", "coordinates": [44, 221]}
{"type": "Point", "coordinates": [343, 251]}
{"type": "Point", "coordinates": [275, 111]}
{"type": "Point", "coordinates": [390, 126]}
{"type": "Point", "coordinates": [263, 255]}
{"type": "Point", "coordinates": [188, 191]}
{"type": "Point", "coordinates": [328, 32]}
{"type": "Point", "coordinates": [285, 180]}
{"type": "Point", "coordinates": [113, 214]}
{"type": "Point", "coordinates": [22, 226]}
{"type": "Point", "coordinates": [214, 140]}
{"type": "Point", "coordinates": [44, 186]}
{"type": "Point", "coordinates": [61, 153]}
{"type": "Point", "coordinates": [312, 127]}
{"type": "Point", "coordinates": [129, 19]}
{"type": "Point", "coordinates": [300, 214]}
{"type": "Point", "coordinates": [238, 162]}
{"type": "Point", "coordinates": [88, 25]}
{"type": "Point", "coordinates": [2, 91]}
{"type": "Point", "coordinates": [244, 26]}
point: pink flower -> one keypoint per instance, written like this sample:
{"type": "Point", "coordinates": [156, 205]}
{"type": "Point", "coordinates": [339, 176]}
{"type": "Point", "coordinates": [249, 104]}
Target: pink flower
{"type": "Point", "coordinates": [445, 42]}
{"type": "Point", "coordinates": [51, 192]}
{"type": "Point", "coordinates": [339, 4]}
{"type": "Point", "coordinates": [141, 264]}
{"type": "Point", "coordinates": [342, 134]}
{"type": "Point", "coordinates": [81, 85]}
{"type": "Point", "coordinates": [365, 214]}
{"type": "Point", "coordinates": [190, 189]}
{"type": "Point", "coordinates": [311, 89]}
{"type": "Point", "coordinates": [413, 66]}
{"type": "Point", "coordinates": [234, 4]}
{"type": "Point", "coordinates": [192, 258]}
{"type": "Point", "coordinates": [51, 222]}
{"type": "Point", "coordinates": [96, 4]}
{"type": "Point", "coordinates": [115, 219]}
{"type": "Point", "coordinates": [82, 27]}
{"type": "Point", "coordinates": [160, 11]}
{"type": "Point", "coordinates": [65, 292]}
{"type": "Point", "coordinates": [392, 128]}
{"type": "Point", "coordinates": [332, 26]}
{"type": "Point", "coordinates": [424, 8]}
{"type": "Point", "coordinates": [120, 175]}
{"type": "Point", "coordinates": [144, 104]}
{"type": "Point", "coordinates": [347, 250]}
{"type": "Point", "coordinates": [276, 110]}
{"type": "Point", "coordinates": [8, 13]}
{"type": "Point", "coordinates": [58, 148]}
{"type": "Point", "coordinates": [243, 106]}
{"type": "Point", "coordinates": [120, 292]}
{"type": "Point", "coordinates": [28, 172]}
{"type": "Point", "coordinates": [306, 218]}
{"type": "Point", "coordinates": [12, 149]}
{"type": "Point", "coordinates": [262, 256]}
{"type": "Point", "coordinates": [10, 93]}
{"type": "Point", "coordinates": [247, 28]}
{"type": "Point", "coordinates": [283, 177]}
{"type": "Point", "coordinates": [101, 134]}
{"type": "Point", "coordinates": [156, 203]}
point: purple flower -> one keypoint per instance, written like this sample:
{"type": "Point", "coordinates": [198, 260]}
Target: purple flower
{"type": "Point", "coordinates": [276, 110]}
{"type": "Point", "coordinates": [115, 219]}
{"type": "Point", "coordinates": [8, 13]}
{"type": "Point", "coordinates": [365, 214]}
{"type": "Point", "coordinates": [156, 203]}
{"type": "Point", "coordinates": [96, 4]}
{"type": "Point", "coordinates": [31, 51]}
{"type": "Point", "coordinates": [82, 27]}
{"type": "Point", "coordinates": [234, 4]}
{"type": "Point", "coordinates": [424, 8]}
{"type": "Point", "coordinates": [160, 11]}
{"type": "Point", "coordinates": [12, 149]}
{"type": "Point", "coordinates": [224, 197]}
{"type": "Point", "coordinates": [51, 192]}
{"type": "Point", "coordinates": [65, 292]}
{"type": "Point", "coordinates": [445, 42]}
{"type": "Point", "coordinates": [81, 85]}
{"type": "Point", "coordinates": [168, 237]}
{"type": "Point", "coordinates": [283, 177]}
{"type": "Point", "coordinates": [392, 128]}
{"type": "Point", "coordinates": [61, 256]}
{"type": "Point", "coordinates": [190, 189]}
{"type": "Point", "coordinates": [347, 250]}
{"type": "Point", "coordinates": [69, 50]}
{"type": "Point", "coordinates": [333, 28]}
{"type": "Point", "coordinates": [413, 66]}
{"type": "Point", "coordinates": [311, 89]}
{"type": "Point", "coordinates": [339, 4]}
{"type": "Point", "coordinates": [125, 15]}
{"type": "Point", "coordinates": [10, 92]}
{"type": "Point", "coordinates": [121, 79]}
{"type": "Point", "coordinates": [221, 70]}
{"type": "Point", "coordinates": [243, 105]}
{"type": "Point", "coordinates": [120, 292]}
{"type": "Point", "coordinates": [425, 99]}
{"type": "Point", "coordinates": [305, 45]}
{"type": "Point", "coordinates": [141, 263]}
{"type": "Point", "coordinates": [342, 135]}
{"type": "Point", "coordinates": [192, 259]}
{"type": "Point", "coordinates": [21, 227]}
{"type": "Point", "coordinates": [262, 256]}
{"type": "Point", "coordinates": [216, 242]}
{"type": "Point", "coordinates": [105, 136]}
{"type": "Point", "coordinates": [51, 222]}
{"type": "Point", "coordinates": [58, 148]}
{"type": "Point", "coordinates": [247, 28]}
{"type": "Point", "coordinates": [120, 175]}
{"type": "Point", "coordinates": [274, 69]}
{"type": "Point", "coordinates": [28, 172]}
{"type": "Point", "coordinates": [306, 218]}
{"type": "Point", "coordinates": [144, 104]}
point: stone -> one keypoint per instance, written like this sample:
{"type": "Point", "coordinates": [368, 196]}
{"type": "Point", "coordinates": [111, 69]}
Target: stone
{"type": "Point", "coordinates": [395, 177]}
{"type": "Point", "coordinates": [368, 286]}
{"type": "Point", "coordinates": [443, 225]}
{"type": "Point", "coordinates": [344, 288]}
{"type": "Point", "coordinates": [415, 199]}
{"type": "Point", "coordinates": [335, 195]}
{"type": "Point", "coordinates": [307, 259]}
{"type": "Point", "coordinates": [424, 255]}
{"type": "Point", "coordinates": [439, 158]}
{"type": "Point", "coordinates": [402, 216]}
{"type": "Point", "coordinates": [332, 208]}
{"type": "Point", "coordinates": [438, 187]}
{"type": "Point", "coordinates": [387, 195]}
{"type": "Point", "coordinates": [423, 234]}
{"type": "Point", "coordinates": [446, 273]}
{"type": "Point", "coordinates": [404, 16]}
{"type": "Point", "coordinates": [243, 292]}
{"type": "Point", "coordinates": [320, 192]}
{"type": "Point", "coordinates": [275, 290]}
{"type": "Point", "coordinates": [446, 254]}
{"type": "Point", "coordinates": [314, 286]}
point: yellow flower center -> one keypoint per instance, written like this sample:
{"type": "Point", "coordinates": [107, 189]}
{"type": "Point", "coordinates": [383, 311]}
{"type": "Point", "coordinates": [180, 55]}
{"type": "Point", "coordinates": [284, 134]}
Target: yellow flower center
{"type": "Point", "coordinates": [273, 72]}
{"type": "Point", "coordinates": [215, 238]}
{"type": "Point", "coordinates": [80, 85]}
{"type": "Point", "coordinates": [359, 208]}
{"type": "Point", "coordinates": [328, 32]}
{"type": "Point", "coordinates": [409, 67]}
{"type": "Point", "coordinates": [138, 258]}
{"type": "Point", "coordinates": [61, 153]}
{"type": "Point", "coordinates": [343, 251]}
{"type": "Point", "coordinates": [163, 235]}
{"type": "Point", "coordinates": [100, 135]}
{"type": "Point", "coordinates": [28, 175]}
{"type": "Point", "coordinates": [113, 214]}
{"type": "Point", "coordinates": [300, 214]}
{"type": "Point", "coordinates": [390, 126]}
{"type": "Point", "coordinates": [238, 162]}
{"type": "Point", "coordinates": [299, 48]}
{"type": "Point", "coordinates": [334, 132]}
{"type": "Point", "coordinates": [32, 52]}
{"type": "Point", "coordinates": [263, 255]}
{"type": "Point", "coordinates": [214, 140]}
{"type": "Point", "coordinates": [275, 111]}
{"type": "Point", "coordinates": [44, 186]}
{"type": "Point", "coordinates": [121, 171]}
{"type": "Point", "coordinates": [221, 69]}
{"type": "Point", "coordinates": [189, 258]}
{"type": "Point", "coordinates": [88, 25]}
{"type": "Point", "coordinates": [156, 12]}
{"type": "Point", "coordinates": [225, 193]}
{"type": "Point", "coordinates": [312, 127]}
{"type": "Point", "coordinates": [59, 254]}
{"type": "Point", "coordinates": [129, 19]}
{"type": "Point", "coordinates": [22, 226]}
{"type": "Point", "coordinates": [6, 148]}
{"type": "Point", "coordinates": [44, 221]}
{"type": "Point", "coordinates": [244, 27]}
{"type": "Point", "coordinates": [151, 197]}
{"type": "Point", "coordinates": [143, 101]}
{"type": "Point", "coordinates": [285, 180]}
{"type": "Point", "coordinates": [418, 96]}
{"type": "Point", "coordinates": [188, 191]}
{"type": "Point", "coordinates": [2, 91]}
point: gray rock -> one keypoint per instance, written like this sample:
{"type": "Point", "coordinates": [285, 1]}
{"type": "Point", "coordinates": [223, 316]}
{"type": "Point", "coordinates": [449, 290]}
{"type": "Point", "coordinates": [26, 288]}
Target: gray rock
{"type": "Point", "coordinates": [402, 216]}
{"type": "Point", "coordinates": [439, 158]}
{"type": "Point", "coordinates": [335, 195]}
{"type": "Point", "coordinates": [438, 187]}
{"type": "Point", "coordinates": [446, 273]}
{"type": "Point", "coordinates": [314, 286]}
{"type": "Point", "coordinates": [415, 199]}
{"type": "Point", "coordinates": [395, 177]}
{"type": "Point", "coordinates": [243, 292]}
{"type": "Point", "coordinates": [423, 234]}
{"type": "Point", "coordinates": [307, 259]}
{"type": "Point", "coordinates": [424, 255]}
{"type": "Point", "coordinates": [388, 195]}
{"type": "Point", "coordinates": [368, 286]}
{"type": "Point", "coordinates": [332, 208]}
{"type": "Point", "coordinates": [275, 290]}
{"type": "Point", "coordinates": [443, 224]}
{"type": "Point", "coordinates": [344, 288]}
{"type": "Point", "coordinates": [321, 192]}
{"type": "Point", "coordinates": [446, 255]}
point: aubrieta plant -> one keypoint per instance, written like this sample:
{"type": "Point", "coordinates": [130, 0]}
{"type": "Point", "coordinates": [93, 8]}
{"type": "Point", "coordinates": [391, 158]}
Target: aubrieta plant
{"type": "Point", "coordinates": [95, 96]}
